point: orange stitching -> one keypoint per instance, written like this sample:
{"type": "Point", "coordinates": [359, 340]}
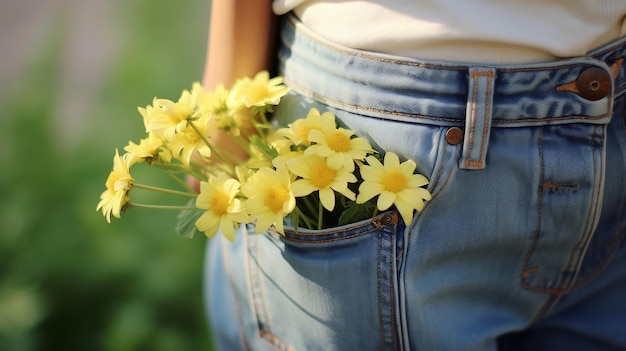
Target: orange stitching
{"type": "Point", "coordinates": [274, 342]}
{"type": "Point", "coordinates": [442, 119]}
{"type": "Point", "coordinates": [615, 67]}
{"type": "Point", "coordinates": [570, 87]}
{"type": "Point", "coordinates": [329, 240]}
{"type": "Point", "coordinates": [533, 245]}
{"type": "Point", "coordinates": [328, 231]}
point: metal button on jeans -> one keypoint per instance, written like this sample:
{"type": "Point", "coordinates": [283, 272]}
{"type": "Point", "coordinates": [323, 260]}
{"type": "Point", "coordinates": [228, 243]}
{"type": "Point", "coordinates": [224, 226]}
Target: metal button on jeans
{"type": "Point", "coordinates": [593, 84]}
{"type": "Point", "coordinates": [454, 136]}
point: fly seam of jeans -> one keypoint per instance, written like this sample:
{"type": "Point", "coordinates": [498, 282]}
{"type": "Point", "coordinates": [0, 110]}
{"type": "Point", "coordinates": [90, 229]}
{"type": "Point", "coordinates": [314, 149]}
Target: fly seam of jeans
{"type": "Point", "coordinates": [526, 270]}
{"type": "Point", "coordinates": [576, 259]}
{"type": "Point", "coordinates": [434, 186]}
{"type": "Point", "coordinates": [618, 237]}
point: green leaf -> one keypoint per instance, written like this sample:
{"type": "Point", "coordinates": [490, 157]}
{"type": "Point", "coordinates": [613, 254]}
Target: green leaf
{"type": "Point", "coordinates": [186, 225]}
{"type": "Point", "coordinates": [357, 212]}
{"type": "Point", "coordinates": [262, 145]}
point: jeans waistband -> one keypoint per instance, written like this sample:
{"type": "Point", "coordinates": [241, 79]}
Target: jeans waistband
{"type": "Point", "coordinates": [574, 90]}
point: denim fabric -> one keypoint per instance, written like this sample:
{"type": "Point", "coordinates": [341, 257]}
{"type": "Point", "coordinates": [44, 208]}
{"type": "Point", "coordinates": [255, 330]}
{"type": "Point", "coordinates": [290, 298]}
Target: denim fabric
{"type": "Point", "coordinates": [521, 247]}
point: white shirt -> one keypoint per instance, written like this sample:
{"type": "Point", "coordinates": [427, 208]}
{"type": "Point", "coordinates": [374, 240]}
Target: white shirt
{"type": "Point", "coordinates": [496, 31]}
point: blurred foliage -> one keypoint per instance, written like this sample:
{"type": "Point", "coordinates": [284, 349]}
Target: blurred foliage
{"type": "Point", "coordinates": [68, 280]}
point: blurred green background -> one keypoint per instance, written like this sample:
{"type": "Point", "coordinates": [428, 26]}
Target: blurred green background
{"type": "Point", "coordinates": [72, 74]}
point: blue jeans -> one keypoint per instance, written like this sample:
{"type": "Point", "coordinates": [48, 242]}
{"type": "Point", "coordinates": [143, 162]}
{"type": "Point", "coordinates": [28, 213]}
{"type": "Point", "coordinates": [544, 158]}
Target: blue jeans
{"type": "Point", "coordinates": [521, 247]}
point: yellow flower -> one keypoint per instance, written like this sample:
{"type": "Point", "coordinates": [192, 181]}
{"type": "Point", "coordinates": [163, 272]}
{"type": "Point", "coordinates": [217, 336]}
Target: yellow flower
{"type": "Point", "coordinates": [218, 105]}
{"type": "Point", "coordinates": [257, 159]}
{"type": "Point", "coordinates": [115, 198]}
{"type": "Point", "coordinates": [338, 146]}
{"type": "Point", "coordinates": [259, 91]}
{"type": "Point", "coordinates": [395, 184]}
{"type": "Point", "coordinates": [317, 176]}
{"type": "Point", "coordinates": [148, 150]}
{"type": "Point", "coordinates": [224, 211]}
{"type": "Point", "coordinates": [210, 102]}
{"type": "Point", "coordinates": [269, 197]}
{"type": "Point", "coordinates": [167, 118]}
{"type": "Point", "coordinates": [298, 131]}
{"type": "Point", "coordinates": [190, 139]}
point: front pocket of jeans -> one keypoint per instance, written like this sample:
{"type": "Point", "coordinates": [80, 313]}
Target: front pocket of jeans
{"type": "Point", "coordinates": [320, 289]}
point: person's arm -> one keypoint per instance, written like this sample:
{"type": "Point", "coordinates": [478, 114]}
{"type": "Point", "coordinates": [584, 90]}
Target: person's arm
{"type": "Point", "coordinates": [241, 43]}
{"type": "Point", "coordinates": [241, 40]}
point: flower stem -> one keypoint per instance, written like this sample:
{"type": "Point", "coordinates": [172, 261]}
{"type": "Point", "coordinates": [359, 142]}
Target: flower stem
{"type": "Point", "coordinates": [320, 215]}
{"type": "Point", "coordinates": [163, 207]}
{"type": "Point", "coordinates": [163, 190]}
{"type": "Point", "coordinates": [181, 182]}
{"type": "Point", "coordinates": [206, 142]}
{"type": "Point", "coordinates": [308, 222]}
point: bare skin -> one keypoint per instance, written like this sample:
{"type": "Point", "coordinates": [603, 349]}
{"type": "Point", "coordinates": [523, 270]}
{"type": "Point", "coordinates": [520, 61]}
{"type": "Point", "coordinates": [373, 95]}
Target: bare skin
{"type": "Point", "coordinates": [241, 43]}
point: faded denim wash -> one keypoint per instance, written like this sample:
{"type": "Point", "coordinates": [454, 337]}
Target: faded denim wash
{"type": "Point", "coordinates": [521, 247]}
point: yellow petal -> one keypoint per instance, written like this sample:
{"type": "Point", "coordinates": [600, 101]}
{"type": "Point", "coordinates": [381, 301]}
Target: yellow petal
{"type": "Point", "coordinates": [406, 210]}
{"type": "Point", "coordinates": [227, 229]}
{"type": "Point", "coordinates": [302, 187]}
{"type": "Point", "coordinates": [327, 197]}
{"type": "Point", "coordinates": [385, 200]}
{"type": "Point", "coordinates": [368, 190]}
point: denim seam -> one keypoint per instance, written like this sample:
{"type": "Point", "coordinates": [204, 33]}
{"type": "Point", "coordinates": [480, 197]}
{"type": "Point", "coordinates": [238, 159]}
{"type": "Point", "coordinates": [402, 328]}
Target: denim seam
{"type": "Point", "coordinates": [274, 342]}
{"type": "Point", "coordinates": [585, 238]}
{"type": "Point", "coordinates": [381, 325]}
{"type": "Point", "coordinates": [618, 237]}
{"type": "Point", "coordinates": [314, 241]}
{"type": "Point", "coordinates": [561, 288]}
{"type": "Point", "coordinates": [392, 279]}
{"type": "Point", "coordinates": [457, 121]}
{"type": "Point", "coordinates": [574, 259]}
{"type": "Point", "coordinates": [526, 270]}
{"type": "Point", "coordinates": [228, 271]}
{"type": "Point", "coordinates": [441, 172]}
{"type": "Point", "coordinates": [548, 304]}
{"type": "Point", "coordinates": [261, 309]}
{"type": "Point", "coordinates": [329, 231]}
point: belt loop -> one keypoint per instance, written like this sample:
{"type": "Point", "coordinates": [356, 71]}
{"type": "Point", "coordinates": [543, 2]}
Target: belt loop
{"type": "Point", "coordinates": [478, 117]}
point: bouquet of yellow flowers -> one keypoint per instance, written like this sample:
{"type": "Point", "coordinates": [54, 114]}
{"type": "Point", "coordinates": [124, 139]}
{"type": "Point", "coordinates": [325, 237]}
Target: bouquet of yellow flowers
{"type": "Point", "coordinates": [313, 173]}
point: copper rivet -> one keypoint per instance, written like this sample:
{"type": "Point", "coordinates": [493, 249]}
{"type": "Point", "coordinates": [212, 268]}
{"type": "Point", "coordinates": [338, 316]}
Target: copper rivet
{"type": "Point", "coordinates": [454, 136]}
{"type": "Point", "coordinates": [594, 84]}
{"type": "Point", "coordinates": [387, 219]}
